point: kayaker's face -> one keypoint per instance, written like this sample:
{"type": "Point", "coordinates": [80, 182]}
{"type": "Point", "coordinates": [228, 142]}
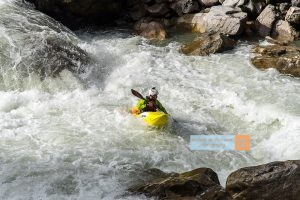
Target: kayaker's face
{"type": "Point", "coordinates": [153, 97]}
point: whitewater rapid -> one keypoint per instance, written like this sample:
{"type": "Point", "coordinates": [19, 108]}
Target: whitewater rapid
{"type": "Point", "coordinates": [71, 137]}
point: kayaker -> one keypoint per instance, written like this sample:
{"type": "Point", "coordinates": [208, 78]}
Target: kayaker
{"type": "Point", "coordinates": [151, 104]}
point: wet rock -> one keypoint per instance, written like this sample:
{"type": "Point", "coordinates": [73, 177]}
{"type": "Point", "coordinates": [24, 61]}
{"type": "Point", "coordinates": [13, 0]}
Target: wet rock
{"type": "Point", "coordinates": [286, 59]}
{"type": "Point", "coordinates": [158, 10]}
{"type": "Point", "coordinates": [293, 15]}
{"type": "Point", "coordinates": [209, 3]}
{"type": "Point", "coordinates": [136, 9]}
{"type": "Point", "coordinates": [187, 185]}
{"type": "Point", "coordinates": [274, 41]}
{"type": "Point", "coordinates": [150, 29]}
{"type": "Point", "coordinates": [208, 43]}
{"type": "Point", "coordinates": [75, 13]}
{"type": "Point", "coordinates": [184, 6]}
{"type": "Point", "coordinates": [265, 21]}
{"type": "Point", "coordinates": [284, 31]}
{"type": "Point", "coordinates": [277, 180]}
{"type": "Point", "coordinates": [225, 20]}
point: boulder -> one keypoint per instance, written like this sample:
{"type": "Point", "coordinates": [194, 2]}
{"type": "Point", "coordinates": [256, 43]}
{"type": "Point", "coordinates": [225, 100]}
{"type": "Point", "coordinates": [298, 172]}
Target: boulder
{"type": "Point", "coordinates": [75, 13]}
{"type": "Point", "coordinates": [208, 43]}
{"type": "Point", "coordinates": [150, 29]}
{"type": "Point", "coordinates": [225, 20]}
{"type": "Point", "coordinates": [209, 3]}
{"type": "Point", "coordinates": [284, 31]}
{"type": "Point", "coordinates": [192, 22]}
{"type": "Point", "coordinates": [283, 8]}
{"type": "Point", "coordinates": [286, 59]}
{"type": "Point", "coordinates": [189, 185]}
{"type": "Point", "coordinates": [265, 21]}
{"type": "Point", "coordinates": [184, 6]}
{"type": "Point", "coordinates": [296, 3]}
{"type": "Point", "coordinates": [293, 15]}
{"type": "Point", "coordinates": [276, 180]}
{"type": "Point", "coordinates": [158, 10]}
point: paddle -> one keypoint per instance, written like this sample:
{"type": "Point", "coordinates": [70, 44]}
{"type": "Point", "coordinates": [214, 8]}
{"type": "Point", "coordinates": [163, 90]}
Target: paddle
{"type": "Point", "coordinates": [137, 94]}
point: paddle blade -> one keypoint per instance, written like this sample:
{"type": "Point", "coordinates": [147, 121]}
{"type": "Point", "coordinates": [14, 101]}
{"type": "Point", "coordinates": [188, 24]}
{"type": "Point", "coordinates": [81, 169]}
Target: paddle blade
{"type": "Point", "coordinates": [137, 94]}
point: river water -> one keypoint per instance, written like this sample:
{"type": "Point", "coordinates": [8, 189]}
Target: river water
{"type": "Point", "coordinates": [71, 137]}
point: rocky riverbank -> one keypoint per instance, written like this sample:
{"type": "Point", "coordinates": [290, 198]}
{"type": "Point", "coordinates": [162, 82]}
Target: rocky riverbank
{"type": "Point", "coordinates": [220, 23]}
{"type": "Point", "coordinates": [276, 180]}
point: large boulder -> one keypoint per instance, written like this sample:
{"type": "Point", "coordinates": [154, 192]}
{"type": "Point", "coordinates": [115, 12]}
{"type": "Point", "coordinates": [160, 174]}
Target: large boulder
{"type": "Point", "coordinates": [208, 43]}
{"type": "Point", "coordinates": [184, 6]}
{"type": "Point", "coordinates": [225, 20]}
{"type": "Point", "coordinates": [150, 29]}
{"type": "Point", "coordinates": [282, 30]}
{"type": "Point", "coordinates": [293, 15]}
{"type": "Point", "coordinates": [75, 13]}
{"type": "Point", "coordinates": [277, 180]}
{"type": "Point", "coordinates": [265, 21]}
{"type": "Point", "coordinates": [286, 59]}
{"type": "Point", "coordinates": [201, 183]}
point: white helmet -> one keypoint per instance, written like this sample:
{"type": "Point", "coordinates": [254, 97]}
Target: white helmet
{"type": "Point", "coordinates": [153, 92]}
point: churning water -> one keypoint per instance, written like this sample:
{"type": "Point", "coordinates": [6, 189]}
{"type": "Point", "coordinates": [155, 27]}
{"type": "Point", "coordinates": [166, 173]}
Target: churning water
{"type": "Point", "coordinates": [71, 137]}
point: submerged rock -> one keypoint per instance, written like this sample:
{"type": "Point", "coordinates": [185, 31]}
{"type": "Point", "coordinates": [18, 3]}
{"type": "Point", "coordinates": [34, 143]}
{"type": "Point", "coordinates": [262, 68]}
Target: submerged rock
{"type": "Point", "coordinates": [276, 180]}
{"type": "Point", "coordinates": [286, 59]}
{"type": "Point", "coordinates": [208, 43]}
{"type": "Point", "coordinates": [195, 184]}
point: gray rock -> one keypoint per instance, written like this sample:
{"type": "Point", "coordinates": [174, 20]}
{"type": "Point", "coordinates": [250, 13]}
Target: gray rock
{"type": "Point", "coordinates": [184, 6]}
{"type": "Point", "coordinates": [226, 20]}
{"type": "Point", "coordinates": [208, 3]}
{"type": "Point", "coordinates": [293, 15]}
{"type": "Point", "coordinates": [234, 3]}
{"type": "Point", "coordinates": [265, 21]}
{"type": "Point", "coordinates": [284, 31]}
{"type": "Point", "coordinates": [208, 43]}
{"type": "Point", "coordinates": [277, 180]}
{"type": "Point", "coordinates": [252, 7]}
{"type": "Point", "coordinates": [296, 3]}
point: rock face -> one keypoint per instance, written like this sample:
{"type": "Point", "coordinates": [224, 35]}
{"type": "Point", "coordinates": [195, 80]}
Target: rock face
{"type": "Point", "coordinates": [296, 3]}
{"type": "Point", "coordinates": [150, 29]}
{"type": "Point", "coordinates": [277, 180]}
{"type": "Point", "coordinates": [225, 20]}
{"type": "Point", "coordinates": [202, 182]}
{"type": "Point", "coordinates": [265, 21]}
{"type": "Point", "coordinates": [79, 12]}
{"type": "Point", "coordinates": [286, 59]}
{"type": "Point", "coordinates": [293, 15]}
{"type": "Point", "coordinates": [207, 43]}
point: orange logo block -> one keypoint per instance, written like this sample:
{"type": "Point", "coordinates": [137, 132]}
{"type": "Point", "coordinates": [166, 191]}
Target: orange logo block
{"type": "Point", "coordinates": [242, 142]}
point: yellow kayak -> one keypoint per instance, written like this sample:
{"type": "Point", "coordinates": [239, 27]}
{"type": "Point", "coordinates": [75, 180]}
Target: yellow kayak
{"type": "Point", "coordinates": [157, 119]}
